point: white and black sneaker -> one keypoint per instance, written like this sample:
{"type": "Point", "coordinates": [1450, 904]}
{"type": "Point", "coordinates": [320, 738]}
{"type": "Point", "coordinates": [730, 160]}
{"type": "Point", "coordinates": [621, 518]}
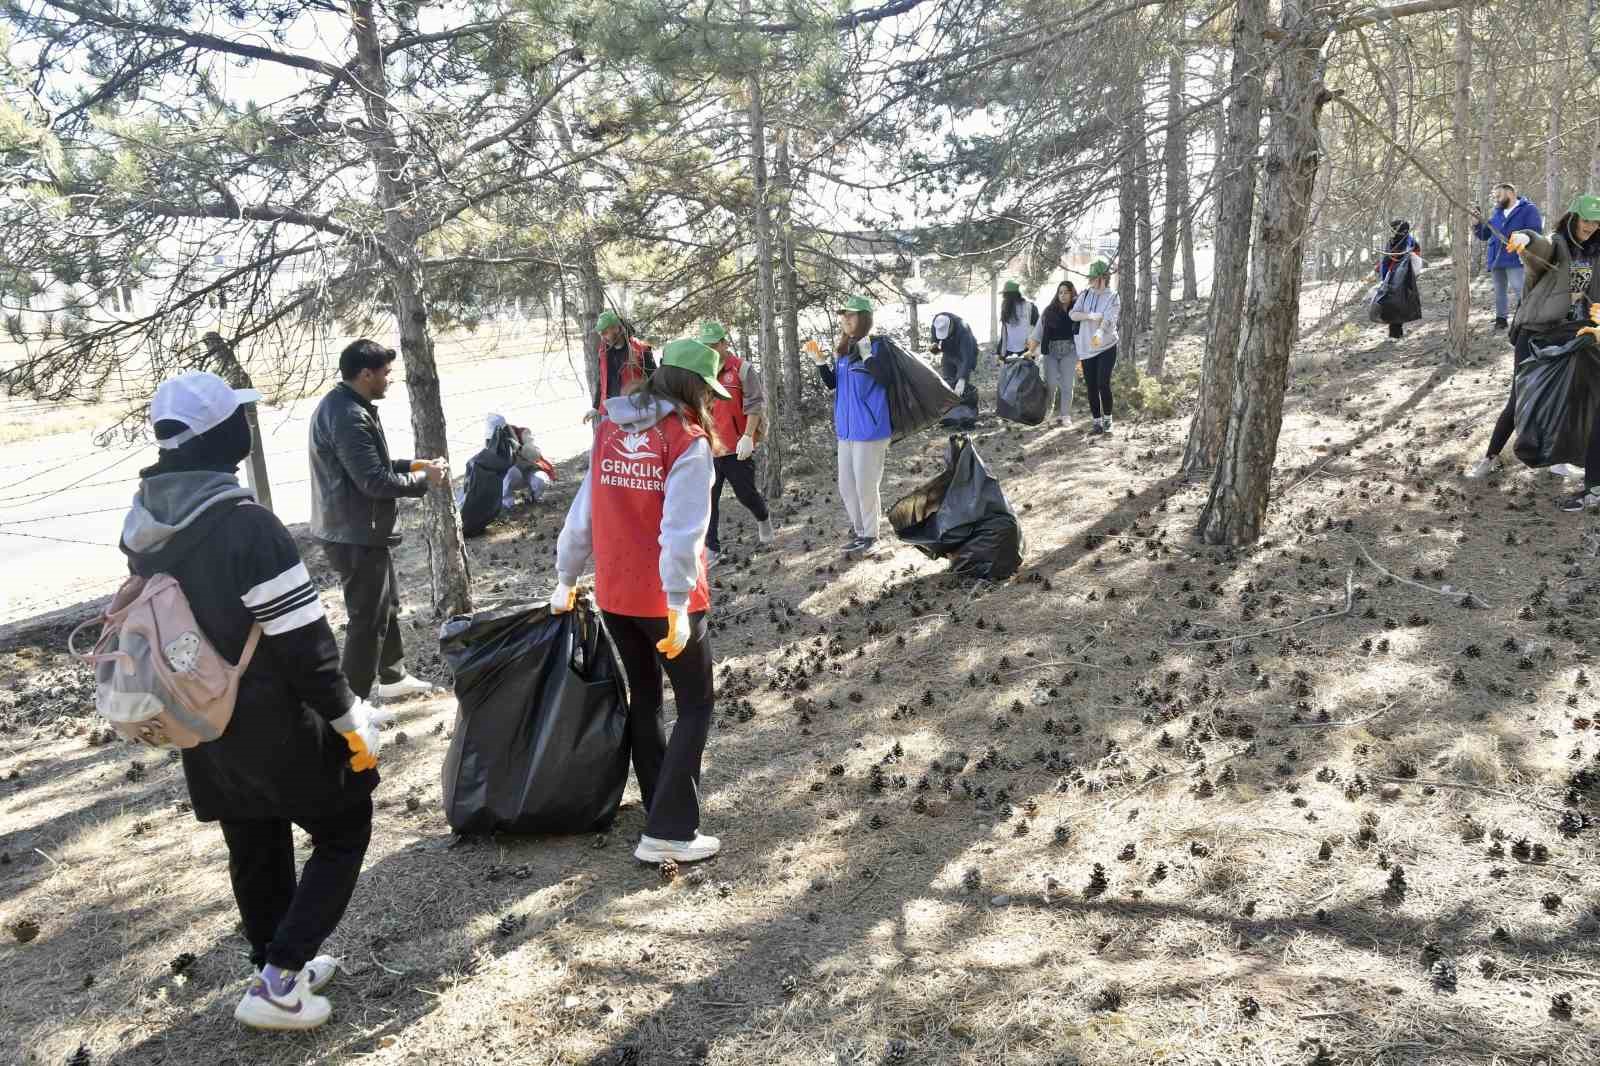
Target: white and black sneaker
{"type": "Point", "coordinates": [1566, 470]}
{"type": "Point", "coordinates": [851, 546]}
{"type": "Point", "coordinates": [1480, 469]}
{"type": "Point", "coordinates": [1587, 500]}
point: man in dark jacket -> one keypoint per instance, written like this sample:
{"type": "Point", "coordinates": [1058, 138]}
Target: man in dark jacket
{"type": "Point", "coordinates": [354, 486]}
{"type": "Point", "coordinates": [1511, 213]}
{"type": "Point", "coordinates": [300, 748]}
{"type": "Point", "coordinates": [957, 348]}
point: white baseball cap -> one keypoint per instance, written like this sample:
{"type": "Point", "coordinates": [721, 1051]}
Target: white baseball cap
{"type": "Point", "coordinates": [200, 401]}
{"type": "Point", "coordinates": [941, 326]}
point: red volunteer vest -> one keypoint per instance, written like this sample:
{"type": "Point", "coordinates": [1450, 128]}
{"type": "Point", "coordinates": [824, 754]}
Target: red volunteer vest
{"type": "Point", "coordinates": [632, 370]}
{"type": "Point", "coordinates": [728, 415]}
{"type": "Point", "coordinates": [627, 498]}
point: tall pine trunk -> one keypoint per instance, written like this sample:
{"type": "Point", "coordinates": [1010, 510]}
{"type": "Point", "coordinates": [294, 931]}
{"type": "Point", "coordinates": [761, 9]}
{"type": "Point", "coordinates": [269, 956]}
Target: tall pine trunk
{"type": "Point", "coordinates": [1237, 506]}
{"type": "Point", "coordinates": [1486, 138]}
{"type": "Point", "coordinates": [1460, 237]}
{"type": "Point", "coordinates": [1173, 151]}
{"type": "Point", "coordinates": [1236, 194]}
{"type": "Point", "coordinates": [397, 242]}
{"type": "Point", "coordinates": [1147, 273]}
{"type": "Point", "coordinates": [1191, 276]}
{"type": "Point", "coordinates": [771, 376]}
{"type": "Point", "coordinates": [793, 374]}
{"type": "Point", "coordinates": [1128, 244]}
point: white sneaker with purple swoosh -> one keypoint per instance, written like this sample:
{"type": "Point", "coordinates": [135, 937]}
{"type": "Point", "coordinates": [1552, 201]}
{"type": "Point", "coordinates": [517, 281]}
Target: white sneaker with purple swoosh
{"type": "Point", "coordinates": [282, 1001]}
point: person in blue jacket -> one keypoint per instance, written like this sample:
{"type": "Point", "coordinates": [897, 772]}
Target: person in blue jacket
{"type": "Point", "coordinates": [1511, 213]}
{"type": "Point", "coordinates": [860, 421]}
{"type": "Point", "coordinates": [1401, 244]}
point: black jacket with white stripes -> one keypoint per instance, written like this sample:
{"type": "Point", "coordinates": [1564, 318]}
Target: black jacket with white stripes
{"type": "Point", "coordinates": [280, 756]}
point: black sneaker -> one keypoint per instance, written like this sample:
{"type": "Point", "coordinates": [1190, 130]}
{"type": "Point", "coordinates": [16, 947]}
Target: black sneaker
{"type": "Point", "coordinates": [865, 546]}
{"type": "Point", "coordinates": [1587, 500]}
{"type": "Point", "coordinates": [851, 546]}
{"type": "Point", "coordinates": [1500, 323]}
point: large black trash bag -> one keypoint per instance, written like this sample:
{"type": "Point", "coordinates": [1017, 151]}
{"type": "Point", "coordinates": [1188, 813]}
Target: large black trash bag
{"type": "Point", "coordinates": [1023, 397]}
{"type": "Point", "coordinates": [1397, 300]}
{"type": "Point", "coordinates": [962, 514]}
{"type": "Point", "coordinates": [1558, 399]}
{"type": "Point", "coordinates": [961, 416]}
{"type": "Point", "coordinates": [918, 396]}
{"type": "Point", "coordinates": [541, 739]}
{"type": "Point", "coordinates": [486, 474]}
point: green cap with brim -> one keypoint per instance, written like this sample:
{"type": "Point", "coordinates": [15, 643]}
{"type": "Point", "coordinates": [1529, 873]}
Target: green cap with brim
{"type": "Point", "coordinates": [606, 320]}
{"type": "Point", "coordinates": [1012, 286]}
{"type": "Point", "coordinates": [689, 354]}
{"type": "Point", "coordinates": [1099, 268]}
{"type": "Point", "coordinates": [711, 332]}
{"type": "Point", "coordinates": [1587, 207]}
{"type": "Point", "coordinates": [859, 304]}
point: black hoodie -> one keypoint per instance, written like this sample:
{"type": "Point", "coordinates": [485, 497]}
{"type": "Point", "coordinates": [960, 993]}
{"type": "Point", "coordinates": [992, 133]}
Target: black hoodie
{"type": "Point", "coordinates": [281, 755]}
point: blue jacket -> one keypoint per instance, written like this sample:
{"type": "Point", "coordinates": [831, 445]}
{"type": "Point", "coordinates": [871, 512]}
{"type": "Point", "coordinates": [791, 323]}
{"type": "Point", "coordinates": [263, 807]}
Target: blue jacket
{"type": "Point", "coordinates": [1523, 215]}
{"type": "Point", "coordinates": [860, 403]}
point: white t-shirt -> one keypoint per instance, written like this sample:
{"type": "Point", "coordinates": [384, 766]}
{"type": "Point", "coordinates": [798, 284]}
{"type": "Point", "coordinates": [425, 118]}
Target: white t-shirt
{"type": "Point", "coordinates": [1015, 333]}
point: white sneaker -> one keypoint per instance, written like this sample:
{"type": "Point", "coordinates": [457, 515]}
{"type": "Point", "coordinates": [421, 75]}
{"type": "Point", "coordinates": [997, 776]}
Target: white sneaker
{"type": "Point", "coordinates": [318, 972]}
{"type": "Point", "coordinates": [405, 688]}
{"type": "Point", "coordinates": [764, 532]}
{"type": "Point", "coordinates": [1480, 469]}
{"type": "Point", "coordinates": [1063, 422]}
{"type": "Point", "coordinates": [701, 847]}
{"type": "Point", "coordinates": [290, 1009]}
{"type": "Point", "coordinates": [712, 559]}
{"type": "Point", "coordinates": [1566, 470]}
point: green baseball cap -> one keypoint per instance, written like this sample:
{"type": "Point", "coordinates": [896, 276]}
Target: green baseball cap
{"type": "Point", "coordinates": [689, 354]}
{"type": "Point", "coordinates": [1099, 268]}
{"type": "Point", "coordinates": [606, 320]}
{"type": "Point", "coordinates": [1012, 286]}
{"type": "Point", "coordinates": [857, 303]}
{"type": "Point", "coordinates": [711, 332]}
{"type": "Point", "coordinates": [1587, 207]}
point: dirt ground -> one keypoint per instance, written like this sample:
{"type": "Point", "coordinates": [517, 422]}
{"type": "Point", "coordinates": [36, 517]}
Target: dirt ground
{"type": "Point", "coordinates": [1093, 815]}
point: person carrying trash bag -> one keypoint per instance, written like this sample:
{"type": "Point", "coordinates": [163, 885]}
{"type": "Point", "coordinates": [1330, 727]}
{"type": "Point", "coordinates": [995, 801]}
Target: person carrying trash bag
{"type": "Point", "coordinates": [1397, 299]}
{"type": "Point", "coordinates": [299, 748]}
{"type": "Point", "coordinates": [1560, 283]}
{"type": "Point", "coordinates": [957, 349]}
{"type": "Point", "coordinates": [739, 430]}
{"type": "Point", "coordinates": [860, 420]}
{"type": "Point", "coordinates": [1096, 311]}
{"type": "Point", "coordinates": [642, 515]}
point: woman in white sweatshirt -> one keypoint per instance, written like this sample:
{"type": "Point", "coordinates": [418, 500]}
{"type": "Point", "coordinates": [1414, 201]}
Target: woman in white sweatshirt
{"type": "Point", "coordinates": [1096, 313]}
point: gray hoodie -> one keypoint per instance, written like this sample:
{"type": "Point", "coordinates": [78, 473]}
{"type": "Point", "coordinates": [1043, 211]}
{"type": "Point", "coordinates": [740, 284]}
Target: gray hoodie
{"type": "Point", "coordinates": [684, 521]}
{"type": "Point", "coordinates": [167, 504]}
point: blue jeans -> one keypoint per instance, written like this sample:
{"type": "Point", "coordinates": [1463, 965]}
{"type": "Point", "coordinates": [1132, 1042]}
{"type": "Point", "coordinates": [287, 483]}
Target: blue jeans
{"type": "Point", "coordinates": [1507, 281]}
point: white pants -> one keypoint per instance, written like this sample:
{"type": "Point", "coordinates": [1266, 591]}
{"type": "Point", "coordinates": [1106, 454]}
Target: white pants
{"type": "Point", "coordinates": [860, 475]}
{"type": "Point", "coordinates": [517, 478]}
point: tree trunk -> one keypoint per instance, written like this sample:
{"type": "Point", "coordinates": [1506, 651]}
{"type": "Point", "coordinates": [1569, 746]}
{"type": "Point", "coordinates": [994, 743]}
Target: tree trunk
{"type": "Point", "coordinates": [994, 306]}
{"type": "Point", "coordinates": [237, 377]}
{"type": "Point", "coordinates": [794, 374]}
{"type": "Point", "coordinates": [1486, 131]}
{"type": "Point", "coordinates": [1191, 276]}
{"type": "Point", "coordinates": [770, 373]}
{"type": "Point", "coordinates": [397, 241]}
{"type": "Point", "coordinates": [1460, 235]}
{"type": "Point", "coordinates": [594, 302]}
{"type": "Point", "coordinates": [1169, 216]}
{"type": "Point", "coordinates": [1552, 151]}
{"type": "Point", "coordinates": [1128, 245]}
{"type": "Point", "coordinates": [1147, 274]}
{"type": "Point", "coordinates": [1237, 506]}
{"type": "Point", "coordinates": [1236, 194]}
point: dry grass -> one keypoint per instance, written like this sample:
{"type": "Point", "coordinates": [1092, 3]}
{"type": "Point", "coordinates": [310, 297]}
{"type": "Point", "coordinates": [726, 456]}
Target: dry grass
{"type": "Point", "coordinates": [964, 935]}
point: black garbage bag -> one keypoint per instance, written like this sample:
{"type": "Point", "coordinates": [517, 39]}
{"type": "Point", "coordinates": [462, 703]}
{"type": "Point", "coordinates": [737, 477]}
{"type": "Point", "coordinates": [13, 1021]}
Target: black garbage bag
{"type": "Point", "coordinates": [1023, 397]}
{"type": "Point", "coordinates": [961, 416]}
{"type": "Point", "coordinates": [918, 396]}
{"type": "Point", "coordinates": [1558, 399]}
{"type": "Point", "coordinates": [486, 473]}
{"type": "Point", "coordinates": [541, 738]}
{"type": "Point", "coordinates": [962, 514]}
{"type": "Point", "coordinates": [1397, 300]}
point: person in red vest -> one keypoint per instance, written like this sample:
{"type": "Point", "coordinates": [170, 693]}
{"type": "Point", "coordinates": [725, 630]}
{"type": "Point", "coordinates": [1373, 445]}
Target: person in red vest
{"type": "Point", "coordinates": [625, 360]}
{"type": "Point", "coordinates": [739, 430]}
{"type": "Point", "coordinates": [642, 515]}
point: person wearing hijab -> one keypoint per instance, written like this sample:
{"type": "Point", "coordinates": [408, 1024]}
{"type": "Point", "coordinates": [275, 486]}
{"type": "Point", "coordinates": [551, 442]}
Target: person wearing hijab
{"type": "Point", "coordinates": [1562, 289]}
{"type": "Point", "coordinates": [1401, 244]}
{"type": "Point", "coordinates": [300, 749]}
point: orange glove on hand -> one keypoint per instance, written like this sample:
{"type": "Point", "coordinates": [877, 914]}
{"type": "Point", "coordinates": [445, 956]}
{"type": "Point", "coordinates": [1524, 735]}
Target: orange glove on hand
{"type": "Point", "coordinates": [360, 732]}
{"type": "Point", "coordinates": [1517, 243]}
{"type": "Point", "coordinates": [564, 598]}
{"type": "Point", "coordinates": [677, 637]}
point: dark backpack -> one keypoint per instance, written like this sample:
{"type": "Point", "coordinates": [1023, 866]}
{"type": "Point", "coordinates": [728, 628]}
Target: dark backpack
{"type": "Point", "coordinates": [486, 472]}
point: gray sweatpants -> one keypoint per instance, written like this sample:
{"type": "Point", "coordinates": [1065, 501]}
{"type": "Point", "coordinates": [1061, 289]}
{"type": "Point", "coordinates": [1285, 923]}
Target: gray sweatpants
{"type": "Point", "coordinates": [1060, 372]}
{"type": "Point", "coordinates": [860, 475]}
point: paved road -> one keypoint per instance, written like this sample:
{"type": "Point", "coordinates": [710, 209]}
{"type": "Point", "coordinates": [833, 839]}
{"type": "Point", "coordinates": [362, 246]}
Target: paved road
{"type": "Point", "coordinates": [62, 500]}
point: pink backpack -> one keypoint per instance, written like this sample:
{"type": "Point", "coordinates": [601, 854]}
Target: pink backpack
{"type": "Point", "coordinates": [158, 680]}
